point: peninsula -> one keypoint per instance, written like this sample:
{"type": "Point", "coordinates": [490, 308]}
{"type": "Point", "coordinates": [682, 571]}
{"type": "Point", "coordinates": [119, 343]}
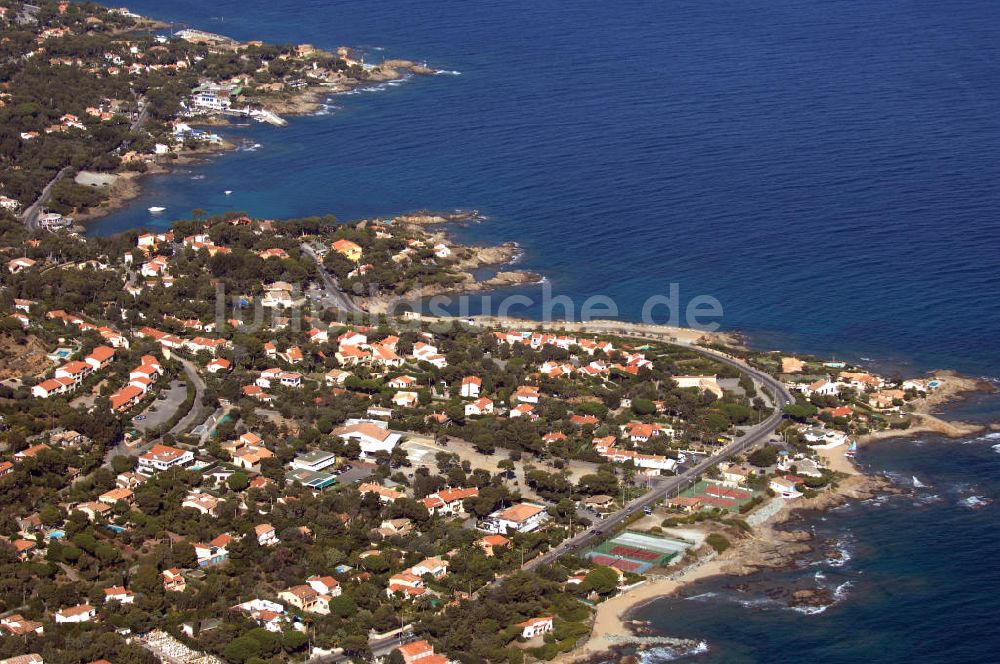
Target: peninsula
{"type": "Point", "coordinates": [92, 98]}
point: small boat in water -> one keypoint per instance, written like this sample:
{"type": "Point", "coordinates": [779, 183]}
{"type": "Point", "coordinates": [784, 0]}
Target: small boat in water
{"type": "Point", "coordinates": [155, 209]}
{"type": "Point", "coordinates": [228, 191]}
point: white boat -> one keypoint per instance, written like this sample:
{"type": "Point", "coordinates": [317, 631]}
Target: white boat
{"type": "Point", "coordinates": [228, 191]}
{"type": "Point", "coordinates": [156, 209]}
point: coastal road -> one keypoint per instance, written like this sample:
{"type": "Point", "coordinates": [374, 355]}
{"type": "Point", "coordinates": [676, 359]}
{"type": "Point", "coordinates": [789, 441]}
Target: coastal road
{"type": "Point", "coordinates": [334, 295]}
{"type": "Point", "coordinates": [32, 213]}
{"type": "Point", "coordinates": [141, 118]}
{"type": "Point", "coordinates": [674, 485]}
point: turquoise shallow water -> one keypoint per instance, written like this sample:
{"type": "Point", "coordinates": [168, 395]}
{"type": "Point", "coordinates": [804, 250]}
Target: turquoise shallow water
{"type": "Point", "coordinates": [826, 169]}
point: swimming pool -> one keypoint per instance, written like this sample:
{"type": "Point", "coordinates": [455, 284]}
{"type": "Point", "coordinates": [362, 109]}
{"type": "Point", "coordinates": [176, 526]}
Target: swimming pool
{"type": "Point", "coordinates": [57, 534]}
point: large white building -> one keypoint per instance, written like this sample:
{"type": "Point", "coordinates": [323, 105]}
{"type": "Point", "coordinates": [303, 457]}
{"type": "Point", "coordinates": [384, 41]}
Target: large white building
{"type": "Point", "coordinates": [522, 518]}
{"type": "Point", "coordinates": [162, 457]}
{"type": "Point", "coordinates": [370, 436]}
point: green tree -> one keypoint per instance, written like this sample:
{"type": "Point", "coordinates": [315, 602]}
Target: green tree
{"type": "Point", "coordinates": [238, 481]}
{"type": "Point", "coordinates": [602, 580]}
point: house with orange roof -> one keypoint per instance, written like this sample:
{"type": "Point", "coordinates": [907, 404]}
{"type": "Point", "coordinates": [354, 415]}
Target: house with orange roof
{"type": "Point", "coordinates": [385, 357]}
{"type": "Point", "coordinates": [18, 625]}
{"type": "Point", "coordinates": [53, 387]}
{"type": "Point", "coordinates": [205, 503]}
{"type": "Point", "coordinates": [214, 552]}
{"type": "Point", "coordinates": [351, 250]}
{"type": "Point", "coordinates": [18, 265]}
{"type": "Point", "coordinates": [535, 627]}
{"type": "Point", "coordinates": [100, 357]}
{"type": "Point", "coordinates": [76, 614]}
{"type": "Point", "coordinates": [385, 494]}
{"type": "Point", "coordinates": [25, 548]}
{"type": "Point", "coordinates": [164, 457]}
{"type": "Point", "coordinates": [318, 336]}
{"type": "Point", "coordinates": [449, 501]}
{"type": "Point", "coordinates": [30, 452]}
{"type": "Point", "coordinates": [273, 252]}
{"type": "Point", "coordinates": [249, 457]}
{"type": "Point", "coordinates": [523, 410]}
{"type": "Point", "coordinates": [481, 406]}
{"type": "Point", "coordinates": [76, 371]}
{"type": "Point", "coordinates": [266, 534]}
{"type": "Point", "coordinates": [823, 387]}
{"type": "Point", "coordinates": [93, 510]}
{"type": "Point", "coordinates": [491, 543]}
{"type": "Point", "coordinates": [325, 585]}
{"type": "Point", "coordinates": [173, 580]}
{"type": "Point", "coordinates": [256, 392]}
{"type": "Point", "coordinates": [526, 394]}
{"type": "Point", "coordinates": [118, 494]}
{"type": "Point", "coordinates": [522, 518]}
{"type": "Point", "coordinates": [406, 583]}
{"type": "Point", "coordinates": [351, 356]}
{"type": "Point", "coordinates": [304, 597]}
{"type": "Point", "coordinates": [292, 355]}
{"type": "Point", "coordinates": [126, 397]}
{"type": "Point", "coordinates": [218, 364]}
{"type": "Point", "coordinates": [416, 651]}
{"type": "Point", "coordinates": [436, 567]}
{"type": "Point", "coordinates": [687, 504]}
{"type": "Point", "coordinates": [405, 399]}
{"type": "Point", "coordinates": [402, 382]}
{"type": "Point", "coordinates": [471, 385]}
{"type": "Point", "coordinates": [119, 594]}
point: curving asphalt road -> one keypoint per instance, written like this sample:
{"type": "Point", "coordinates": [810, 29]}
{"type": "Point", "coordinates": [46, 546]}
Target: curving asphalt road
{"type": "Point", "coordinates": [199, 391]}
{"type": "Point", "coordinates": [33, 212]}
{"type": "Point", "coordinates": [674, 485]}
{"type": "Point", "coordinates": [334, 295]}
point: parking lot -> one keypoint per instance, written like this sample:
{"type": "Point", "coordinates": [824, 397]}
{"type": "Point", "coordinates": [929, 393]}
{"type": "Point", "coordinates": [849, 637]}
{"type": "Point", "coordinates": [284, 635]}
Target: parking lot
{"type": "Point", "coordinates": [161, 410]}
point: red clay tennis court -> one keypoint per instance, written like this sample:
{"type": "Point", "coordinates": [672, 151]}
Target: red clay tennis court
{"type": "Point", "coordinates": [723, 492]}
{"type": "Point", "coordinates": [624, 565]}
{"type": "Point", "coordinates": [638, 554]}
{"type": "Point", "coordinates": [725, 503]}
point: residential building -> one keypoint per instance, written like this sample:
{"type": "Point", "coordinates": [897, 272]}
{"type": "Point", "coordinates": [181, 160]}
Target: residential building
{"type": "Point", "coordinates": [315, 460]}
{"type": "Point", "coordinates": [370, 436]}
{"type": "Point", "coordinates": [535, 627]}
{"type": "Point", "coordinates": [76, 614]}
{"type": "Point", "coordinates": [163, 457]}
{"type": "Point", "coordinates": [523, 518]}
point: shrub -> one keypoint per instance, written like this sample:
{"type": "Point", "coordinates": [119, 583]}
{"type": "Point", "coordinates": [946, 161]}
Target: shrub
{"type": "Point", "coordinates": [717, 542]}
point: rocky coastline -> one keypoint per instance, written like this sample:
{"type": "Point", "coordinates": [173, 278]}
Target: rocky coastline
{"type": "Point", "coordinates": [775, 544]}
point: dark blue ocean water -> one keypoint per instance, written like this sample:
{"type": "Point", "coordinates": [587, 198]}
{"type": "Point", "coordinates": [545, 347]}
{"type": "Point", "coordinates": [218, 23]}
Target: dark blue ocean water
{"type": "Point", "coordinates": [915, 579]}
{"type": "Point", "coordinates": [827, 169]}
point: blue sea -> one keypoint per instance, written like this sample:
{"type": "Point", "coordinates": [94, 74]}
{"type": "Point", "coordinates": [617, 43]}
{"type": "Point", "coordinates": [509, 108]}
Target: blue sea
{"type": "Point", "coordinates": [827, 170]}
